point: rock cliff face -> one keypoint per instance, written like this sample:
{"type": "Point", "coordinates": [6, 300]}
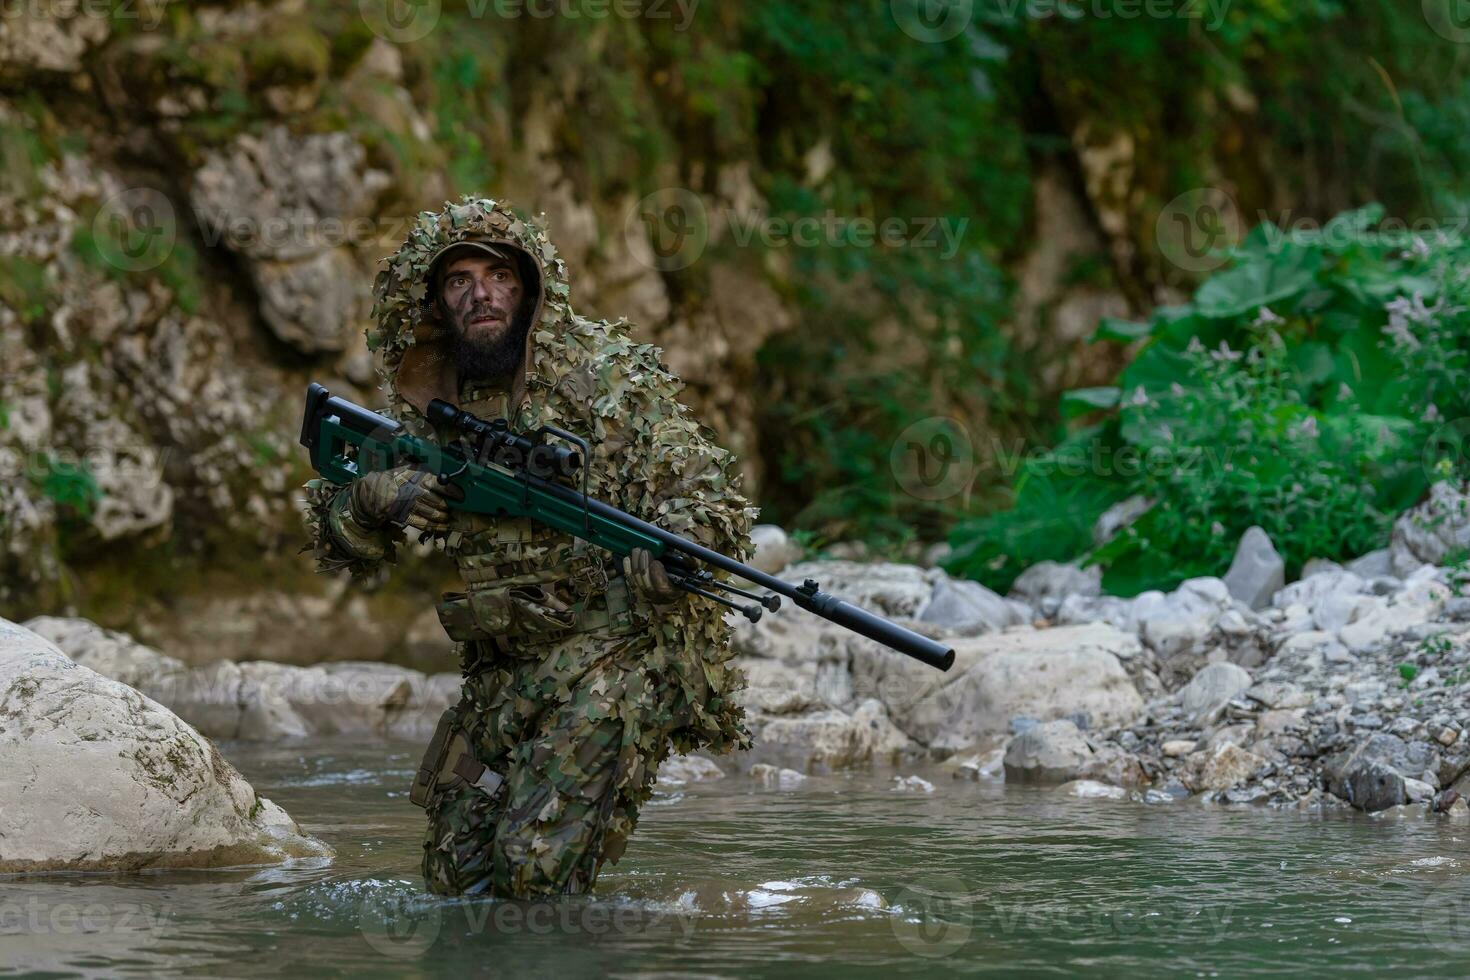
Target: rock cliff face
{"type": "Point", "coordinates": [191, 213]}
{"type": "Point", "coordinates": [193, 204]}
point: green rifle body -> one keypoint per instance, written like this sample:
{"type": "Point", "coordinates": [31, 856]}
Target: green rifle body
{"type": "Point", "coordinates": [514, 475]}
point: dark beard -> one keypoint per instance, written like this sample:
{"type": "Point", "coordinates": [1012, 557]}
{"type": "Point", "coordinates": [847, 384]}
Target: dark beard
{"type": "Point", "coordinates": [490, 360]}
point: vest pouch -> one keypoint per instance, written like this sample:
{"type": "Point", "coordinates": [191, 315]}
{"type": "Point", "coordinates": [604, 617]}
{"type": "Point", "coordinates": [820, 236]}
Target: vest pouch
{"type": "Point", "coordinates": [527, 611]}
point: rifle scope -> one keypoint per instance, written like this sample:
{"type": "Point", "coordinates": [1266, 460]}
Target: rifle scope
{"type": "Point", "coordinates": [494, 441]}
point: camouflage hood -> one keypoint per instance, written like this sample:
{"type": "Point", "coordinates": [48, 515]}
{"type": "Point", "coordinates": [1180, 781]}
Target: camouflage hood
{"type": "Point", "coordinates": [414, 348]}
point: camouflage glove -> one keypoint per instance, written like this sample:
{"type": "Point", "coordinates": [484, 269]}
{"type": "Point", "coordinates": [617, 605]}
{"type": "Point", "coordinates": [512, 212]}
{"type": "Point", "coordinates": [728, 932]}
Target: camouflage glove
{"type": "Point", "coordinates": [403, 495]}
{"type": "Point", "coordinates": [649, 577]}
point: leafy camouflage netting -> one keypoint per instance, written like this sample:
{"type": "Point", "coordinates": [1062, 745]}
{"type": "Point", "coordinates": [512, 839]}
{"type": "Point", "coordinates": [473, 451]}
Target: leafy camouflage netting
{"type": "Point", "coordinates": [651, 458]}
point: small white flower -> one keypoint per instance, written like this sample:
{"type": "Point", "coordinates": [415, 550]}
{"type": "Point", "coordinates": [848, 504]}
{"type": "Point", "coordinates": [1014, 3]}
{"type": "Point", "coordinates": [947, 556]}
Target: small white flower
{"type": "Point", "coordinates": [1431, 414]}
{"type": "Point", "coordinates": [1225, 353]}
{"type": "Point", "coordinates": [1267, 317]}
{"type": "Point", "coordinates": [1176, 389]}
{"type": "Point", "coordinates": [1217, 529]}
{"type": "Point", "coordinates": [1307, 427]}
{"type": "Point", "coordinates": [1139, 396]}
{"type": "Point", "coordinates": [1195, 347]}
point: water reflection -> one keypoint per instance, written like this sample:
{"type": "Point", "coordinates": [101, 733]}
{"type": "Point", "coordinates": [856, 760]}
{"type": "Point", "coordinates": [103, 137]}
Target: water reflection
{"type": "Point", "coordinates": [729, 878]}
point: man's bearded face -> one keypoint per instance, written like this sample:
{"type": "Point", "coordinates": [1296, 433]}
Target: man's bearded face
{"type": "Point", "coordinates": [480, 295]}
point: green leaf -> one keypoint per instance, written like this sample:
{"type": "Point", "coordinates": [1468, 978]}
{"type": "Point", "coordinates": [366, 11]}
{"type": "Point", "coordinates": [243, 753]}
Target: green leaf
{"type": "Point", "coordinates": [1123, 331]}
{"type": "Point", "coordinates": [1083, 400]}
{"type": "Point", "coordinates": [1259, 282]}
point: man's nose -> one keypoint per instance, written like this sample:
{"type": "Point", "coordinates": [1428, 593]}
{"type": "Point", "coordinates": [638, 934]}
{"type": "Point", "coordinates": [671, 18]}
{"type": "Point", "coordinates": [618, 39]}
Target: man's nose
{"type": "Point", "coordinates": [481, 289]}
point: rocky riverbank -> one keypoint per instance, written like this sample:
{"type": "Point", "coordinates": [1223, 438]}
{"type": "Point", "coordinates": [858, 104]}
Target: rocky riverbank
{"type": "Point", "coordinates": [1349, 687]}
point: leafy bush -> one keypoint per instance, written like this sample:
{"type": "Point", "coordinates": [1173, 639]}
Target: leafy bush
{"type": "Point", "coordinates": [1315, 388]}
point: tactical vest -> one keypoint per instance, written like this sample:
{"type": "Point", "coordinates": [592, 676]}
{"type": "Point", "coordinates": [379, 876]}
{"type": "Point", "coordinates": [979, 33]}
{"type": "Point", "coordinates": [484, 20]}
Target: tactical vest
{"type": "Point", "coordinates": [527, 585]}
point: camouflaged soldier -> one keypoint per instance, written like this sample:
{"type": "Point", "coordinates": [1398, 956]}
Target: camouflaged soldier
{"type": "Point", "coordinates": [580, 676]}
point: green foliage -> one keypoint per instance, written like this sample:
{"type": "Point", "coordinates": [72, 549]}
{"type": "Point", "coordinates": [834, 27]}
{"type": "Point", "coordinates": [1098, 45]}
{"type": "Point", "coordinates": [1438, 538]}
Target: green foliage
{"type": "Point", "coordinates": [71, 486]}
{"type": "Point", "coordinates": [24, 287]}
{"type": "Point", "coordinates": [1306, 389]}
{"type": "Point", "coordinates": [169, 258]}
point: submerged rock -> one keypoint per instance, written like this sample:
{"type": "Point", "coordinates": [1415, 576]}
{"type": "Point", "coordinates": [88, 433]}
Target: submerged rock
{"type": "Point", "coordinates": [1090, 789]}
{"type": "Point", "coordinates": [98, 777]}
{"type": "Point", "coordinates": [775, 777]}
{"type": "Point", "coordinates": [1049, 753]}
{"type": "Point", "coordinates": [912, 784]}
{"type": "Point", "coordinates": [680, 769]}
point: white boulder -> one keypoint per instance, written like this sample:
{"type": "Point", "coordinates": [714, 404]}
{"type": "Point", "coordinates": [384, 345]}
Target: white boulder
{"type": "Point", "coordinates": [98, 777]}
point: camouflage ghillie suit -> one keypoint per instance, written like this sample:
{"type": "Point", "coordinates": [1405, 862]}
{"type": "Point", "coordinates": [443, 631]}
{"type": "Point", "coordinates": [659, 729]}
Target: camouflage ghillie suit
{"type": "Point", "coordinates": [575, 687]}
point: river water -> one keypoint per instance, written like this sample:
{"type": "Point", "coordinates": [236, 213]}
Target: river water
{"type": "Point", "coordinates": [843, 875]}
